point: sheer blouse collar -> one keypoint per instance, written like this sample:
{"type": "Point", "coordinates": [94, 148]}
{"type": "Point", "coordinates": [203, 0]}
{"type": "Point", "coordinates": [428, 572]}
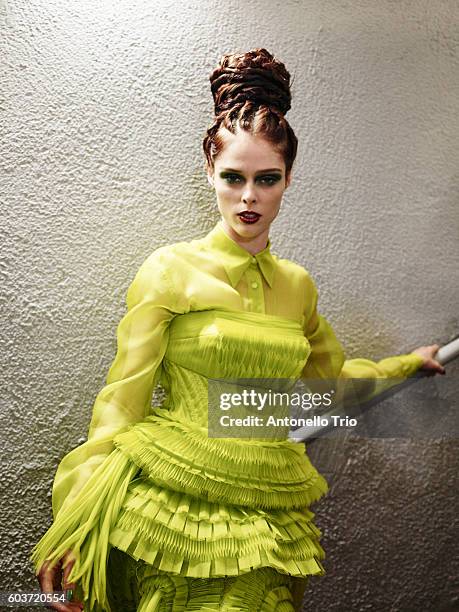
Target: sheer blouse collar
{"type": "Point", "coordinates": [236, 259]}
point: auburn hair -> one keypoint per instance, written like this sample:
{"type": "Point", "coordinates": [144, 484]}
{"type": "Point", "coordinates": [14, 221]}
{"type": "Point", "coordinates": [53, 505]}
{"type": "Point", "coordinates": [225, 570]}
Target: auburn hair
{"type": "Point", "coordinates": [251, 92]}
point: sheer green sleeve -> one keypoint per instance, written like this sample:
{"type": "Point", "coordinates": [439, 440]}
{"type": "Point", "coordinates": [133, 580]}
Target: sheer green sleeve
{"type": "Point", "coordinates": [142, 337]}
{"type": "Point", "coordinates": [327, 358]}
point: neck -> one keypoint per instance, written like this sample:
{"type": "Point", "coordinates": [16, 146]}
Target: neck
{"type": "Point", "coordinates": [252, 245]}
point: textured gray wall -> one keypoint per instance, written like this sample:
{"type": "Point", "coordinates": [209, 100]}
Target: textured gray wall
{"type": "Point", "coordinates": [103, 107]}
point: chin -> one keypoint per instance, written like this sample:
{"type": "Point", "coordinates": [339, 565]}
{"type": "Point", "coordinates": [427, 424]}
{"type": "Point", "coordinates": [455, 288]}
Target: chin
{"type": "Point", "coordinates": [248, 231]}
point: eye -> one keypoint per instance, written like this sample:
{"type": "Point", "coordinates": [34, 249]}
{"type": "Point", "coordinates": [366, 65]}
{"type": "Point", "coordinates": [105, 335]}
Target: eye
{"type": "Point", "coordinates": [231, 178]}
{"type": "Point", "coordinates": [269, 179]}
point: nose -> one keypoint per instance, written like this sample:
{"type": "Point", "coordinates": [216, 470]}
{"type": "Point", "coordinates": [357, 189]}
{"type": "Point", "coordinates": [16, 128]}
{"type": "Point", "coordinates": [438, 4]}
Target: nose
{"type": "Point", "coordinates": [249, 195]}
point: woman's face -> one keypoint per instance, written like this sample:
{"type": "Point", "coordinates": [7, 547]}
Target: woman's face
{"type": "Point", "coordinates": [249, 180]}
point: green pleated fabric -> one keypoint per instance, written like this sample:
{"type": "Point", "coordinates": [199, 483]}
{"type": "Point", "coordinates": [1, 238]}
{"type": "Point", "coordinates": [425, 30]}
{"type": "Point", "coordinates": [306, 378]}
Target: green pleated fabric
{"type": "Point", "coordinates": [213, 523]}
{"type": "Point", "coordinates": [263, 590]}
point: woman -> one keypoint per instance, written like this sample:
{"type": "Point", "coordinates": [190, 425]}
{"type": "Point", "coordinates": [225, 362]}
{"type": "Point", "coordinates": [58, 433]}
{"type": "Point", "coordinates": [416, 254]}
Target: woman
{"type": "Point", "coordinates": [151, 512]}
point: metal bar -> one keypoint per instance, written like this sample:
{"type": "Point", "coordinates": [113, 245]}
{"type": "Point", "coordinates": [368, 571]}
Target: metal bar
{"type": "Point", "coordinates": [444, 355]}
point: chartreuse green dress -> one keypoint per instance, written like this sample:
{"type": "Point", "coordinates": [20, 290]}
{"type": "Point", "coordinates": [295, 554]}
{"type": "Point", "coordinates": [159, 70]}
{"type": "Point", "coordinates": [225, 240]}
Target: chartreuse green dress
{"type": "Point", "coordinates": [161, 516]}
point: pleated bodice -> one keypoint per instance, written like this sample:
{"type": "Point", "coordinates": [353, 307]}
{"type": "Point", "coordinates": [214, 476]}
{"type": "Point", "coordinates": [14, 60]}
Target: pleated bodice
{"type": "Point", "coordinates": [205, 506]}
{"type": "Point", "coordinates": [218, 344]}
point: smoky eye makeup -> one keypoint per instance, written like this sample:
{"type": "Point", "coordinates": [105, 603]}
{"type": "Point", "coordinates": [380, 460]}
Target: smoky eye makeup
{"type": "Point", "coordinates": [264, 179]}
{"type": "Point", "coordinates": [230, 177]}
{"type": "Point", "coordinates": [269, 179]}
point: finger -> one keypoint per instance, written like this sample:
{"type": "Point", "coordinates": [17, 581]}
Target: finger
{"type": "Point", "coordinates": [69, 561]}
{"type": "Point", "coordinates": [57, 576]}
{"type": "Point", "coordinates": [439, 367]}
{"type": "Point", "coordinates": [71, 585]}
{"type": "Point", "coordinates": [76, 604]}
{"type": "Point", "coordinates": [433, 363]}
{"type": "Point", "coordinates": [434, 366]}
{"type": "Point", "coordinates": [430, 351]}
{"type": "Point", "coordinates": [68, 606]}
{"type": "Point", "coordinates": [60, 607]}
{"type": "Point", "coordinates": [45, 578]}
{"type": "Point", "coordinates": [67, 570]}
{"type": "Point", "coordinates": [63, 607]}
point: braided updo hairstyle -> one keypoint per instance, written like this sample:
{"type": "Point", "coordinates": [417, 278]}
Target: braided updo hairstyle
{"type": "Point", "coordinates": [251, 92]}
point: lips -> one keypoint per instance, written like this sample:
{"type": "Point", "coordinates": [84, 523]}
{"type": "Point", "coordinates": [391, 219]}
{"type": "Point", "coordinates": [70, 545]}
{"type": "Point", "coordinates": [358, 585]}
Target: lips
{"type": "Point", "coordinates": [249, 216]}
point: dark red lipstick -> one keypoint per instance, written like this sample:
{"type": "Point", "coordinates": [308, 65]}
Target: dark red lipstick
{"type": "Point", "coordinates": [249, 216]}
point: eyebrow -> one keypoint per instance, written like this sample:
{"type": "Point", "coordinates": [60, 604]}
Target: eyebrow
{"type": "Point", "coordinates": [258, 172]}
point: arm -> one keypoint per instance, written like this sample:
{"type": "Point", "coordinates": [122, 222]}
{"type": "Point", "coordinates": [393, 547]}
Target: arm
{"type": "Point", "coordinates": [142, 337]}
{"type": "Point", "coordinates": [327, 358]}
{"type": "Point", "coordinates": [327, 355]}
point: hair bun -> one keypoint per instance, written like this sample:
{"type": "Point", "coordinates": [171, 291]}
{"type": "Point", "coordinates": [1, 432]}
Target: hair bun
{"type": "Point", "coordinates": [254, 76]}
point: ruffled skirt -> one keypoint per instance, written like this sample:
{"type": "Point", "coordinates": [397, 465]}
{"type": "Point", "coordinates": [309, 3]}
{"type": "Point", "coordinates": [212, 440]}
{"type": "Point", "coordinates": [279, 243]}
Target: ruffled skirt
{"type": "Point", "coordinates": [137, 587]}
{"type": "Point", "coordinates": [213, 524]}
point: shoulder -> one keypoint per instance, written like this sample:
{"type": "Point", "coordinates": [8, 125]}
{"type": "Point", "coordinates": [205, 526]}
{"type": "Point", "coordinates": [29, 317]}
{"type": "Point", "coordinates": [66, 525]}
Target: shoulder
{"type": "Point", "coordinates": [159, 277]}
{"type": "Point", "coordinates": [167, 259]}
{"type": "Point", "coordinates": [172, 254]}
{"type": "Point", "coordinates": [168, 271]}
{"type": "Point", "coordinates": [296, 273]}
{"type": "Point", "coordinates": [163, 258]}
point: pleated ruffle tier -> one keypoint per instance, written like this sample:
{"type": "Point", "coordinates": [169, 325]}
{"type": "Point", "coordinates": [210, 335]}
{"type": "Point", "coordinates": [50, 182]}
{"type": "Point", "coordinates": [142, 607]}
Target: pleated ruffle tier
{"type": "Point", "coordinates": [256, 473]}
{"type": "Point", "coordinates": [190, 506]}
{"type": "Point", "coordinates": [263, 590]}
{"type": "Point", "coordinates": [208, 508]}
{"type": "Point", "coordinates": [135, 586]}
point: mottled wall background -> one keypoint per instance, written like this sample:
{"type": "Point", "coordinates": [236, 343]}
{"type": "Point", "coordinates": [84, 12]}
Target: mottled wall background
{"type": "Point", "coordinates": [103, 106]}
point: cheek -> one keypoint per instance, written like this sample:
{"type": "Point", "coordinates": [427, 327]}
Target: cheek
{"type": "Point", "coordinates": [275, 197]}
{"type": "Point", "coordinates": [226, 193]}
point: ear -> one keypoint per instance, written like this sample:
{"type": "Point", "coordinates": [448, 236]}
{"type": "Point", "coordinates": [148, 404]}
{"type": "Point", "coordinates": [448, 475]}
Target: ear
{"type": "Point", "coordinates": [288, 179]}
{"type": "Point", "coordinates": [210, 177]}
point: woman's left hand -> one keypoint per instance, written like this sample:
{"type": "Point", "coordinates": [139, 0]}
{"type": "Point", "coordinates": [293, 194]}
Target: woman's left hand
{"type": "Point", "coordinates": [431, 365]}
